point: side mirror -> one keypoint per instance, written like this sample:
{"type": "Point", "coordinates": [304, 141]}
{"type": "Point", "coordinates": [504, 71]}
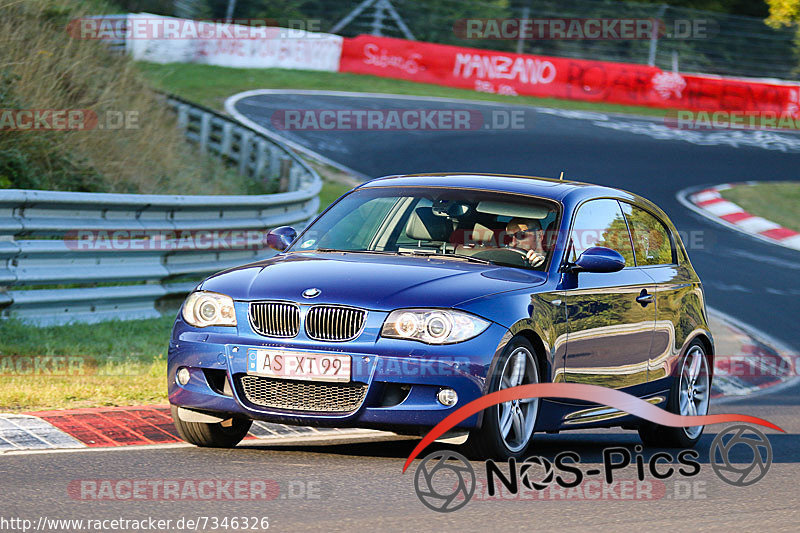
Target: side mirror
{"type": "Point", "coordinates": [280, 238]}
{"type": "Point", "coordinates": [598, 259]}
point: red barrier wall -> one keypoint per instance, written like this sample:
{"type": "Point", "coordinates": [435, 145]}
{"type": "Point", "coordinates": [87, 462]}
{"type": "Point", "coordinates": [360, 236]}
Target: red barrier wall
{"type": "Point", "coordinates": [574, 79]}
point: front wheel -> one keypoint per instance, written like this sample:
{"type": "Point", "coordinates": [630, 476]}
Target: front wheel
{"type": "Point", "coordinates": [225, 434]}
{"type": "Point", "coordinates": [689, 396]}
{"type": "Point", "coordinates": [508, 427]}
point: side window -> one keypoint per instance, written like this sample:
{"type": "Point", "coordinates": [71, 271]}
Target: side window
{"type": "Point", "coordinates": [601, 223]}
{"type": "Point", "coordinates": [403, 239]}
{"type": "Point", "coordinates": [355, 230]}
{"type": "Point", "coordinates": [651, 239]}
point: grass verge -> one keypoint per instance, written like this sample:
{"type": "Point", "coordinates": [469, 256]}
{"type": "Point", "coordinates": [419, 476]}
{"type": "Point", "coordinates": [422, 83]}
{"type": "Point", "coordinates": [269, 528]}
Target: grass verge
{"type": "Point", "coordinates": [778, 202]}
{"type": "Point", "coordinates": [83, 365]}
{"type": "Point", "coordinates": [211, 85]}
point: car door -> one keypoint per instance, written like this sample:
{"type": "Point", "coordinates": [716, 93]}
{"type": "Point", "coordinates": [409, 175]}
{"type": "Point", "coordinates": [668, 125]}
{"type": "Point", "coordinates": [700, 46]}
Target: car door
{"type": "Point", "coordinates": [656, 253]}
{"type": "Point", "coordinates": [610, 316]}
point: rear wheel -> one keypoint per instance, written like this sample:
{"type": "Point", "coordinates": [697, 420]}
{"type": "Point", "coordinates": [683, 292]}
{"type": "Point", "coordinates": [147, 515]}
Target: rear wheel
{"type": "Point", "coordinates": [508, 427]}
{"type": "Point", "coordinates": [689, 396]}
{"type": "Point", "coordinates": [225, 434]}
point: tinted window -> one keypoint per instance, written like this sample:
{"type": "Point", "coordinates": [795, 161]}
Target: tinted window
{"type": "Point", "coordinates": [355, 227]}
{"type": "Point", "coordinates": [488, 226]}
{"type": "Point", "coordinates": [601, 223]}
{"type": "Point", "coordinates": [651, 240]}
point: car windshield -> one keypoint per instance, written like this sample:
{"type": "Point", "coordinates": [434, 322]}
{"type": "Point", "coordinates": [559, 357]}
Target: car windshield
{"type": "Point", "coordinates": [462, 224]}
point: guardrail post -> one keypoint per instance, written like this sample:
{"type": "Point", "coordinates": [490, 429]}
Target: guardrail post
{"type": "Point", "coordinates": [205, 131]}
{"type": "Point", "coordinates": [274, 163]}
{"type": "Point", "coordinates": [183, 116]}
{"type": "Point", "coordinates": [227, 138]}
{"type": "Point", "coordinates": [294, 178]}
{"type": "Point", "coordinates": [261, 160]}
{"type": "Point", "coordinates": [283, 179]}
{"type": "Point", "coordinates": [245, 147]}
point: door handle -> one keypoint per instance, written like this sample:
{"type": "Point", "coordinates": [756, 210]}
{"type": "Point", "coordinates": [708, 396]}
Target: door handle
{"type": "Point", "coordinates": [644, 298]}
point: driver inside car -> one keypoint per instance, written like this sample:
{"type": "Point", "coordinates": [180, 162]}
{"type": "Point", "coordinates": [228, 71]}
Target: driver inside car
{"type": "Point", "coordinates": [527, 235]}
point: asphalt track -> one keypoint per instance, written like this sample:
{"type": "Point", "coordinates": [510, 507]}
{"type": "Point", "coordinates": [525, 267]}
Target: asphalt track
{"type": "Point", "coordinates": [359, 486]}
{"type": "Point", "coordinates": [753, 281]}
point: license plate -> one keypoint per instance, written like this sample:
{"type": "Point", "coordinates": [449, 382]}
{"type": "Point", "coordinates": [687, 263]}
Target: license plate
{"type": "Point", "coordinates": [283, 364]}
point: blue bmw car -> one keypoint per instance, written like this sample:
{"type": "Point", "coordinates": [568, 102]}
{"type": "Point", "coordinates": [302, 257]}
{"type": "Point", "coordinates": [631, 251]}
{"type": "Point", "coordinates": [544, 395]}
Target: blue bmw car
{"type": "Point", "coordinates": [413, 295]}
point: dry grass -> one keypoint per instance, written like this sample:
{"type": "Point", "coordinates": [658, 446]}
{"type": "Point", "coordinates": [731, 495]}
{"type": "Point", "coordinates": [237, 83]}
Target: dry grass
{"type": "Point", "coordinates": [43, 67]}
{"type": "Point", "coordinates": [146, 384]}
{"type": "Point", "coordinates": [83, 365]}
{"type": "Point", "coordinates": [777, 201]}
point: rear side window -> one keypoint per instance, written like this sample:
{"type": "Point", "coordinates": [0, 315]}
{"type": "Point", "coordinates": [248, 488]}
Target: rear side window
{"type": "Point", "coordinates": [601, 223]}
{"type": "Point", "coordinates": [651, 239]}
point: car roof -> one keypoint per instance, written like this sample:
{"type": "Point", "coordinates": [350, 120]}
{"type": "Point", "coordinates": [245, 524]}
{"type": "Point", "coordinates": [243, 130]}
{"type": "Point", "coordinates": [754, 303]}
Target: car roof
{"type": "Point", "coordinates": [530, 185]}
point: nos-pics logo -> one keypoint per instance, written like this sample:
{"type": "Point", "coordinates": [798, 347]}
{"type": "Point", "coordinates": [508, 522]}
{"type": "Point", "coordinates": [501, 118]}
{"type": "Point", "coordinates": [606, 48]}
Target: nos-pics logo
{"type": "Point", "coordinates": [445, 480]}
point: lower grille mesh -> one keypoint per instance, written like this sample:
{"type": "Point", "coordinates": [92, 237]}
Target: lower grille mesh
{"type": "Point", "coordinates": [303, 395]}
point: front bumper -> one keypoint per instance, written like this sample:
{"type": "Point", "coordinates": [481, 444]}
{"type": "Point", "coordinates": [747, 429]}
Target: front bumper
{"type": "Point", "coordinates": [402, 378]}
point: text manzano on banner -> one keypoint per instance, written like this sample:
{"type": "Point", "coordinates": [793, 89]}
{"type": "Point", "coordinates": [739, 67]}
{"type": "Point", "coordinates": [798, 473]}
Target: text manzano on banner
{"type": "Point", "coordinates": [575, 79]}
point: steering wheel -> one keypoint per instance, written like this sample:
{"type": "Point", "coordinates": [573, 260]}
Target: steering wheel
{"type": "Point", "coordinates": [508, 256]}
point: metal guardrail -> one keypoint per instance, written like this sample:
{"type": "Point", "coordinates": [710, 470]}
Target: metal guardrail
{"type": "Point", "coordinates": [140, 247]}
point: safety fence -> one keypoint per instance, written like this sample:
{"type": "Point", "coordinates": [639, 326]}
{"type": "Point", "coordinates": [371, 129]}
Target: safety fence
{"type": "Point", "coordinates": [88, 257]}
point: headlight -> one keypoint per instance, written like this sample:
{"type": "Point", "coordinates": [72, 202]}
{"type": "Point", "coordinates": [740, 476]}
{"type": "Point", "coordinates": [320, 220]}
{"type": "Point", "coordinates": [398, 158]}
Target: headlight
{"type": "Point", "coordinates": [203, 309]}
{"type": "Point", "coordinates": [433, 326]}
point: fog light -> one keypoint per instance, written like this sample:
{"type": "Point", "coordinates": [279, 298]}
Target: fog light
{"type": "Point", "coordinates": [447, 397]}
{"type": "Point", "coordinates": [183, 375]}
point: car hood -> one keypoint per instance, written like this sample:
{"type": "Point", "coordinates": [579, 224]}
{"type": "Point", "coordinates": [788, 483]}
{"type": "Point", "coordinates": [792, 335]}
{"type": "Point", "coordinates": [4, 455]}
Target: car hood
{"type": "Point", "coordinates": [378, 282]}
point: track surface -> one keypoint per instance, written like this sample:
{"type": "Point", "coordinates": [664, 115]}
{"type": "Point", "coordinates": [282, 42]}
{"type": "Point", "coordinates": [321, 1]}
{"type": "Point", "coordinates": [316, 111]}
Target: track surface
{"type": "Point", "coordinates": [755, 282]}
{"type": "Point", "coordinates": [360, 486]}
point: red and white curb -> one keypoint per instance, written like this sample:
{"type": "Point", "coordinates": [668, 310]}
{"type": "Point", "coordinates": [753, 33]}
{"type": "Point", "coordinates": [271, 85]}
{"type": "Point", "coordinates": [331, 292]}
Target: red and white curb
{"type": "Point", "coordinates": [114, 427]}
{"type": "Point", "coordinates": [710, 203]}
{"type": "Point", "coordinates": [109, 427]}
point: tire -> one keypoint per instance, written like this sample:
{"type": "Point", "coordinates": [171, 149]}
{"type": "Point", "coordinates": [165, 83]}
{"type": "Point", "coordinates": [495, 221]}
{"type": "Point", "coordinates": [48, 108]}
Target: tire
{"type": "Point", "coordinates": [654, 435]}
{"type": "Point", "coordinates": [489, 441]}
{"type": "Point", "coordinates": [211, 435]}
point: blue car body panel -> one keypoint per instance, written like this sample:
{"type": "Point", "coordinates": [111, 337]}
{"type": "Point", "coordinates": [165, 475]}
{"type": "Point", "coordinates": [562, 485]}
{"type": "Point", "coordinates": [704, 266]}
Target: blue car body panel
{"type": "Point", "coordinates": [537, 305]}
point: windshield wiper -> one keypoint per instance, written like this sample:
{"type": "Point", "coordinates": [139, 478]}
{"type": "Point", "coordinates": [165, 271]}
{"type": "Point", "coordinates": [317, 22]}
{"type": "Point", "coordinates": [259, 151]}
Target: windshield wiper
{"type": "Point", "coordinates": [409, 253]}
{"type": "Point", "coordinates": [448, 256]}
{"type": "Point", "coordinates": [383, 252]}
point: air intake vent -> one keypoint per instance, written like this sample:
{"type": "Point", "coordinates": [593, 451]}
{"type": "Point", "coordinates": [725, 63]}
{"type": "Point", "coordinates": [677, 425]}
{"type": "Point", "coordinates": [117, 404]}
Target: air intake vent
{"type": "Point", "coordinates": [334, 323]}
{"type": "Point", "coordinates": [302, 395]}
{"type": "Point", "coordinates": [275, 319]}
